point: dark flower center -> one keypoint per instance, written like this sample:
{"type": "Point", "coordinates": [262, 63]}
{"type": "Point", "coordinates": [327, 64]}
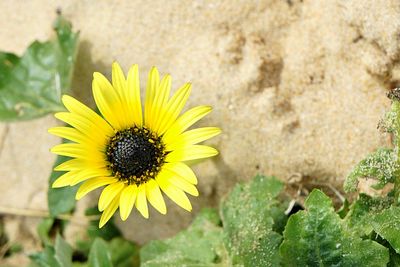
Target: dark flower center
{"type": "Point", "coordinates": [135, 155]}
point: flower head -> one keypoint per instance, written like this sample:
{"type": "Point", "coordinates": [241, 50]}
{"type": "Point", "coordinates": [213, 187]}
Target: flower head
{"type": "Point", "coordinates": [136, 154]}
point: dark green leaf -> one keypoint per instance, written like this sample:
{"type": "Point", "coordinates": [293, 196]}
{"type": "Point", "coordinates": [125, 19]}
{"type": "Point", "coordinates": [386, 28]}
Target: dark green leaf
{"type": "Point", "coordinates": [248, 219]}
{"type": "Point", "coordinates": [60, 200]}
{"type": "Point", "coordinates": [99, 255]}
{"type": "Point", "coordinates": [316, 237]}
{"type": "Point", "coordinates": [380, 165]}
{"type": "Point", "coordinates": [200, 245]}
{"type": "Point", "coordinates": [31, 86]}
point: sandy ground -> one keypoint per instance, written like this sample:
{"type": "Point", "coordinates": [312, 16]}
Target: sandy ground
{"type": "Point", "coordinates": [297, 87]}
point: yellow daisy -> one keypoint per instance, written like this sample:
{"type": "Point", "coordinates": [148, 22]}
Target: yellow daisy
{"type": "Point", "coordinates": [133, 153]}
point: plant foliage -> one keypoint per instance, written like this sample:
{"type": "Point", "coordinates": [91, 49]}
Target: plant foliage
{"type": "Point", "coordinates": [31, 86]}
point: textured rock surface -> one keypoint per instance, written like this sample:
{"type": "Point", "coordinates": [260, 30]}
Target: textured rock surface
{"type": "Point", "coordinates": [297, 86]}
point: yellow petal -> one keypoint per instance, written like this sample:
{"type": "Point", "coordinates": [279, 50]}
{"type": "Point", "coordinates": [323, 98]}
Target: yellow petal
{"type": "Point", "coordinates": [121, 87]}
{"type": "Point", "coordinates": [93, 184]}
{"type": "Point", "coordinates": [108, 102]}
{"type": "Point", "coordinates": [109, 211]}
{"type": "Point", "coordinates": [133, 96]}
{"type": "Point", "coordinates": [174, 107]}
{"type": "Point", "coordinates": [141, 202]}
{"type": "Point", "coordinates": [152, 85]}
{"type": "Point", "coordinates": [174, 193]}
{"type": "Point", "coordinates": [182, 170]}
{"type": "Point", "coordinates": [193, 137]}
{"type": "Point", "coordinates": [70, 165]}
{"type": "Point", "coordinates": [160, 101]}
{"type": "Point", "coordinates": [118, 79]}
{"type": "Point", "coordinates": [127, 200]}
{"type": "Point", "coordinates": [78, 151]}
{"type": "Point", "coordinates": [183, 185]}
{"type": "Point", "coordinates": [109, 193]}
{"type": "Point", "coordinates": [64, 180]}
{"type": "Point", "coordinates": [155, 197]}
{"type": "Point", "coordinates": [185, 121]}
{"type": "Point", "coordinates": [85, 174]}
{"type": "Point", "coordinates": [74, 106]}
{"type": "Point", "coordinates": [77, 176]}
{"type": "Point", "coordinates": [76, 164]}
{"type": "Point", "coordinates": [76, 136]}
{"type": "Point", "coordinates": [191, 152]}
{"type": "Point", "coordinates": [83, 125]}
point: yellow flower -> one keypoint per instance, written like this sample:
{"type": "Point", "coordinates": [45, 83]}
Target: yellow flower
{"type": "Point", "coordinates": [133, 153]}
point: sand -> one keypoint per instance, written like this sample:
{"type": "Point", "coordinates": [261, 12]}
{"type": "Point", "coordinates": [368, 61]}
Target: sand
{"type": "Point", "coordinates": [298, 87]}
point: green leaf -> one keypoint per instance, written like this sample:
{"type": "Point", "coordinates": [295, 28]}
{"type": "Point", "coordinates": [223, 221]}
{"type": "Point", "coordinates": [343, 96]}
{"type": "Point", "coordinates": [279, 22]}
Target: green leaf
{"type": "Point", "coordinates": [63, 252]}
{"type": "Point", "coordinates": [58, 256]}
{"type": "Point", "coordinates": [108, 232]}
{"type": "Point", "coordinates": [361, 211]}
{"type": "Point", "coordinates": [200, 245]}
{"type": "Point", "coordinates": [387, 225]}
{"type": "Point", "coordinates": [31, 86]}
{"type": "Point", "coordinates": [248, 219]}
{"type": "Point", "coordinates": [99, 255]}
{"type": "Point", "coordinates": [123, 253]}
{"type": "Point", "coordinates": [43, 230]}
{"type": "Point", "coordinates": [316, 237]}
{"type": "Point", "coordinates": [60, 200]}
{"type": "Point", "coordinates": [380, 165]}
{"type": "Point", "coordinates": [45, 258]}
{"type": "Point", "coordinates": [394, 259]}
{"type": "Point", "coordinates": [394, 120]}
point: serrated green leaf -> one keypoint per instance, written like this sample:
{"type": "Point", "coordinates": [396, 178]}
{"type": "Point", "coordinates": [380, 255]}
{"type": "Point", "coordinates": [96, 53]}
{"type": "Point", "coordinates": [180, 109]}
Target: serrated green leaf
{"type": "Point", "coordinates": [380, 165]}
{"type": "Point", "coordinates": [60, 200]}
{"type": "Point", "coordinates": [248, 219]}
{"type": "Point", "coordinates": [387, 225]}
{"type": "Point", "coordinates": [99, 255]}
{"type": "Point", "coordinates": [362, 210]}
{"type": "Point", "coordinates": [316, 237]}
{"type": "Point", "coordinates": [200, 245]}
{"type": "Point", "coordinates": [31, 86]}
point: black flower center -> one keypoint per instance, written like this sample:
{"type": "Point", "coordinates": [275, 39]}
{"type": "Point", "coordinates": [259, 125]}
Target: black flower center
{"type": "Point", "coordinates": [135, 155]}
